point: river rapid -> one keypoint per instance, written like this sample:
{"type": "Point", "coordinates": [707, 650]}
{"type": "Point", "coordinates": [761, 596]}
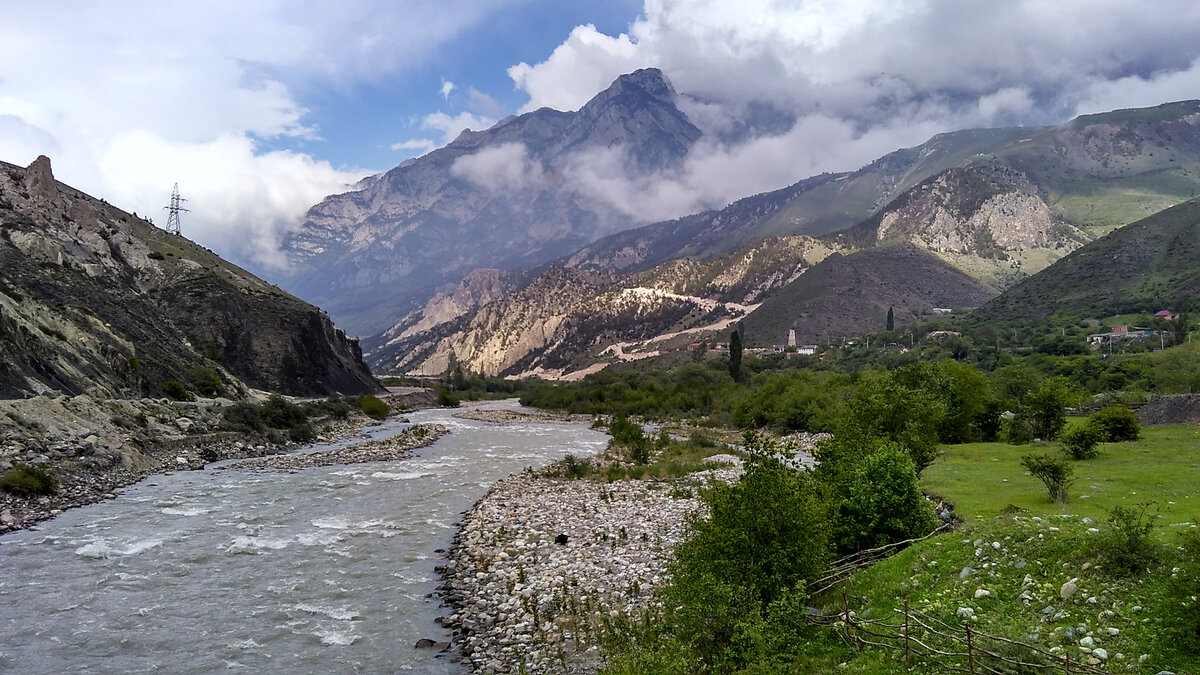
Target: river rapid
{"type": "Point", "coordinates": [326, 569]}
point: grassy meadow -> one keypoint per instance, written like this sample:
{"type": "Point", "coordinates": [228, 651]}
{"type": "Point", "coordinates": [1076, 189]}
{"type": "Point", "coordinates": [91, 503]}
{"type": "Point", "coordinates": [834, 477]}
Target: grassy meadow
{"type": "Point", "coordinates": [1163, 467]}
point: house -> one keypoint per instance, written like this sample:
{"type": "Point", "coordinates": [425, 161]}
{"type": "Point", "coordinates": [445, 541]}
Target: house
{"type": "Point", "coordinates": [942, 310]}
{"type": "Point", "coordinates": [806, 350]}
{"type": "Point", "coordinates": [939, 334]}
{"type": "Point", "coordinates": [1165, 314]}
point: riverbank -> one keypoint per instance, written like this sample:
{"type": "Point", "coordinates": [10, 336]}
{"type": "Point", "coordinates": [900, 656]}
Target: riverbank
{"type": "Point", "coordinates": [542, 565]}
{"type": "Point", "coordinates": [93, 448]}
{"type": "Point", "coordinates": [390, 449]}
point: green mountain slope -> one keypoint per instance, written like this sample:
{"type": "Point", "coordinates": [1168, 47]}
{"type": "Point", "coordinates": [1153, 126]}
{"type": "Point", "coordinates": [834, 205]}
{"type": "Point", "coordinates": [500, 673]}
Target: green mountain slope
{"type": "Point", "coordinates": [846, 295]}
{"type": "Point", "coordinates": [1096, 172]}
{"type": "Point", "coordinates": [1148, 265]}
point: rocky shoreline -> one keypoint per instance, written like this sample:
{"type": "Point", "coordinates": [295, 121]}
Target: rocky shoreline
{"type": "Point", "coordinates": [532, 416]}
{"type": "Point", "coordinates": [399, 446]}
{"type": "Point", "coordinates": [95, 447]}
{"type": "Point", "coordinates": [542, 566]}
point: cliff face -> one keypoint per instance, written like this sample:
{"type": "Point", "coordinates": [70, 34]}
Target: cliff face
{"type": "Point", "coordinates": [993, 228]}
{"type": "Point", "coordinates": [96, 300]}
{"type": "Point", "coordinates": [511, 196]}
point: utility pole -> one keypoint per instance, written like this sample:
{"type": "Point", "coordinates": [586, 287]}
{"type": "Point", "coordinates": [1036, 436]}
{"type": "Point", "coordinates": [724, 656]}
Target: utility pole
{"type": "Point", "coordinates": [173, 211]}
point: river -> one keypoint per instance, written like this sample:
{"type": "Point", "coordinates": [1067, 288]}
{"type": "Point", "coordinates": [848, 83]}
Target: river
{"type": "Point", "coordinates": [327, 569]}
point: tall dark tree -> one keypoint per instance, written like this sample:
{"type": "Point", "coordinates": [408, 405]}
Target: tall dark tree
{"type": "Point", "coordinates": [891, 320]}
{"type": "Point", "coordinates": [735, 355]}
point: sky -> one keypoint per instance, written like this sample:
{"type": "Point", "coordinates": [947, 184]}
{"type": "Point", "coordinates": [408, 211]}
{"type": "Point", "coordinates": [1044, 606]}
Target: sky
{"type": "Point", "coordinates": [260, 109]}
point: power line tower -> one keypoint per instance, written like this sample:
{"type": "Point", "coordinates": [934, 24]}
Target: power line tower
{"type": "Point", "coordinates": [173, 211]}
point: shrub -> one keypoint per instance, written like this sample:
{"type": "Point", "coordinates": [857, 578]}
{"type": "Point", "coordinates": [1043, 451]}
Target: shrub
{"type": "Point", "coordinates": [1055, 472]}
{"type": "Point", "coordinates": [575, 468]}
{"type": "Point", "coordinates": [881, 502]}
{"type": "Point", "coordinates": [302, 433]}
{"type": "Point", "coordinates": [205, 381]}
{"type": "Point", "coordinates": [1044, 408]}
{"type": "Point", "coordinates": [446, 399]}
{"type": "Point", "coordinates": [244, 417]}
{"type": "Point", "coordinates": [1016, 431]}
{"type": "Point", "coordinates": [374, 407]}
{"type": "Point", "coordinates": [175, 389]}
{"type": "Point", "coordinates": [632, 436]}
{"type": "Point", "coordinates": [1081, 442]}
{"type": "Point", "coordinates": [28, 481]}
{"type": "Point", "coordinates": [1116, 423]}
{"type": "Point", "coordinates": [279, 413]}
{"type": "Point", "coordinates": [766, 536]}
{"type": "Point", "coordinates": [1127, 545]}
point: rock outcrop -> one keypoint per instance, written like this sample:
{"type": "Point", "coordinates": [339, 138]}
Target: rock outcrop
{"type": "Point", "coordinates": [96, 300]}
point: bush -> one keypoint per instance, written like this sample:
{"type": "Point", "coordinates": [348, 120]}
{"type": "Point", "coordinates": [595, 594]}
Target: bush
{"type": "Point", "coordinates": [279, 413]}
{"type": "Point", "coordinates": [174, 389]}
{"type": "Point", "coordinates": [446, 399]}
{"type": "Point", "coordinates": [765, 539]}
{"type": "Point", "coordinates": [28, 481]}
{"type": "Point", "coordinates": [1044, 408]}
{"type": "Point", "coordinates": [374, 407]}
{"type": "Point", "coordinates": [1116, 423]}
{"type": "Point", "coordinates": [1081, 442]}
{"type": "Point", "coordinates": [880, 503]}
{"type": "Point", "coordinates": [575, 468]}
{"type": "Point", "coordinates": [1055, 472]}
{"type": "Point", "coordinates": [632, 436]}
{"type": "Point", "coordinates": [1016, 431]}
{"type": "Point", "coordinates": [302, 433]}
{"type": "Point", "coordinates": [205, 381]}
{"type": "Point", "coordinates": [1127, 545]}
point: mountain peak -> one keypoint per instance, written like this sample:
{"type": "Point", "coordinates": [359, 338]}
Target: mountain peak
{"type": "Point", "coordinates": [648, 83]}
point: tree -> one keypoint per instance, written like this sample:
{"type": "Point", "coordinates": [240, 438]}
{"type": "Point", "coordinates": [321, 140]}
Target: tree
{"type": "Point", "coordinates": [735, 355]}
{"type": "Point", "coordinates": [891, 320]}
{"type": "Point", "coordinates": [1045, 408]}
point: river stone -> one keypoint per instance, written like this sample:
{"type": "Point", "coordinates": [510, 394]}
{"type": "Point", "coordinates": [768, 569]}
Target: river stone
{"type": "Point", "coordinates": [1100, 653]}
{"type": "Point", "coordinates": [1068, 589]}
{"type": "Point", "coordinates": [964, 613]}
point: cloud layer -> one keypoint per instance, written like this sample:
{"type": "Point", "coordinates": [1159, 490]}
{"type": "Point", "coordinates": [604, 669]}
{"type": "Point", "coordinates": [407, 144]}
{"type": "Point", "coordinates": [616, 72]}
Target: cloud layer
{"type": "Point", "coordinates": [128, 97]}
{"type": "Point", "coordinates": [787, 90]}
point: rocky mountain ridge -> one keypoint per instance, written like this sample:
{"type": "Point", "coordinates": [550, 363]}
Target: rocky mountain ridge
{"type": "Point", "coordinates": [95, 300]}
{"type": "Point", "coordinates": [568, 320]}
{"type": "Point", "coordinates": [506, 197]}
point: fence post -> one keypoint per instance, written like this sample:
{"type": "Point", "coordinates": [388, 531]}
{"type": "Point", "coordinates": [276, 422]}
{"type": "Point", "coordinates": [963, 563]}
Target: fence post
{"type": "Point", "coordinates": [970, 651]}
{"type": "Point", "coordinates": [846, 613]}
{"type": "Point", "coordinates": [906, 635]}
{"type": "Point", "coordinates": [1066, 663]}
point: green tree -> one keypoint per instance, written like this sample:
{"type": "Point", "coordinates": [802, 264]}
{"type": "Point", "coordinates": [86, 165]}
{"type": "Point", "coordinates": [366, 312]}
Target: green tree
{"type": "Point", "coordinates": [1044, 409]}
{"type": "Point", "coordinates": [735, 356]}
{"type": "Point", "coordinates": [891, 320]}
{"type": "Point", "coordinates": [766, 537]}
{"type": "Point", "coordinates": [880, 502]}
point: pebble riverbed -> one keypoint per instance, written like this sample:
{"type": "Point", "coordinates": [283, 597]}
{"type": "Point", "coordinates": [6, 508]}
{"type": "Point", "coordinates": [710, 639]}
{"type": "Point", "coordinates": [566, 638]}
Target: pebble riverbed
{"type": "Point", "coordinates": [526, 597]}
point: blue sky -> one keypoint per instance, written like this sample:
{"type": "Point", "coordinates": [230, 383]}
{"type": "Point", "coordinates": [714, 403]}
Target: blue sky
{"type": "Point", "coordinates": [260, 109]}
{"type": "Point", "coordinates": [359, 124]}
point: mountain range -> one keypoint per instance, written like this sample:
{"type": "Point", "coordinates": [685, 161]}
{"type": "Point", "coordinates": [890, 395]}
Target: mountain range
{"type": "Point", "coordinates": [951, 223]}
{"type": "Point", "coordinates": [96, 300]}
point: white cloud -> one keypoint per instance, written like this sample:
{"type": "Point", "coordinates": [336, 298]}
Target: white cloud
{"type": "Point", "coordinates": [505, 167]}
{"type": "Point", "coordinates": [421, 145]}
{"type": "Point", "coordinates": [447, 87]}
{"type": "Point", "coordinates": [128, 97]}
{"type": "Point", "coordinates": [788, 90]}
{"type": "Point", "coordinates": [452, 126]}
{"type": "Point", "coordinates": [577, 69]}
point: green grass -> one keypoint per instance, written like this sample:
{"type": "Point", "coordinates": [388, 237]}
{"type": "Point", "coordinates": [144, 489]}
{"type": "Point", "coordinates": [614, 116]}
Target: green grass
{"type": "Point", "coordinates": [1164, 467]}
{"type": "Point", "coordinates": [934, 577]}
